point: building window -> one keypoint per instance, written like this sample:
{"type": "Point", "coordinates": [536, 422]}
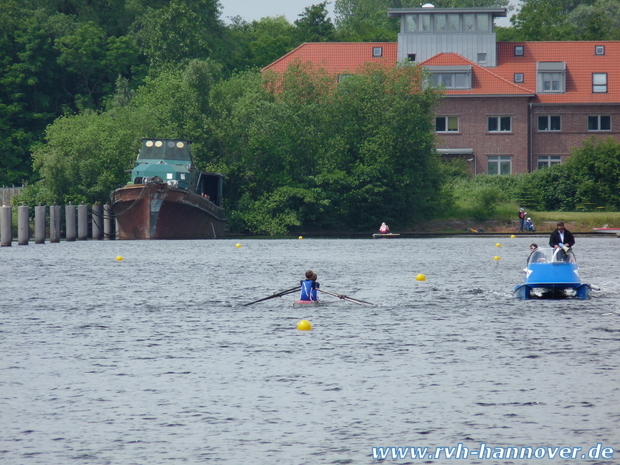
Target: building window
{"type": "Point", "coordinates": [499, 124]}
{"type": "Point", "coordinates": [599, 123]}
{"type": "Point", "coordinates": [519, 50]}
{"type": "Point", "coordinates": [545, 161]}
{"type": "Point", "coordinates": [377, 51]}
{"type": "Point", "coordinates": [447, 22]}
{"type": "Point", "coordinates": [482, 57]}
{"type": "Point", "coordinates": [447, 124]}
{"type": "Point", "coordinates": [411, 57]}
{"type": "Point", "coordinates": [599, 50]}
{"type": "Point", "coordinates": [452, 80]}
{"type": "Point", "coordinates": [551, 77]}
{"type": "Point", "coordinates": [518, 77]}
{"type": "Point", "coordinates": [549, 123]}
{"type": "Point", "coordinates": [476, 22]}
{"type": "Point", "coordinates": [599, 82]}
{"type": "Point", "coordinates": [499, 164]}
{"type": "Point", "coordinates": [551, 82]}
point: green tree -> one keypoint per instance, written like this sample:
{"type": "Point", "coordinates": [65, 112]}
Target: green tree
{"type": "Point", "coordinates": [85, 155]}
{"type": "Point", "coordinates": [540, 20]}
{"type": "Point", "coordinates": [180, 31]}
{"type": "Point", "coordinates": [258, 43]}
{"type": "Point", "coordinates": [314, 25]}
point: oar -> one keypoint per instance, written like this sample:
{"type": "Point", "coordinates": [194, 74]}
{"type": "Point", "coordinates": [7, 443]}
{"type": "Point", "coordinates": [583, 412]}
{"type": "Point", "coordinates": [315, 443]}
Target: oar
{"type": "Point", "coordinates": [350, 299]}
{"type": "Point", "coordinates": [279, 294]}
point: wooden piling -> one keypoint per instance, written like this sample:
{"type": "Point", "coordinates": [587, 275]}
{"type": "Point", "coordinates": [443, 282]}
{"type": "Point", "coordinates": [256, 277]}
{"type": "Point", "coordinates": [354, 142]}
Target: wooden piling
{"type": "Point", "coordinates": [82, 217]}
{"type": "Point", "coordinates": [55, 223]}
{"type": "Point", "coordinates": [108, 222]}
{"type": "Point", "coordinates": [6, 226]}
{"type": "Point", "coordinates": [70, 222]}
{"type": "Point", "coordinates": [23, 228]}
{"type": "Point", "coordinates": [97, 215]}
{"type": "Point", "coordinates": [39, 224]}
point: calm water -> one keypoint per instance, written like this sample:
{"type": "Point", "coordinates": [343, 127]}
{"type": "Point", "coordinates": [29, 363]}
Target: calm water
{"type": "Point", "coordinates": [155, 360]}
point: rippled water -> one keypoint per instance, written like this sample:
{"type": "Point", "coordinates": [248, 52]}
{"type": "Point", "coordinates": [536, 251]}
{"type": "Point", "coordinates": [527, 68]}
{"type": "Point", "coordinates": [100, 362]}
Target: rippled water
{"type": "Point", "coordinates": [154, 359]}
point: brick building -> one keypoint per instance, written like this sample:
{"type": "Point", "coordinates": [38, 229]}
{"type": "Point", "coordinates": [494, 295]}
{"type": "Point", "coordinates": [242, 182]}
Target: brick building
{"type": "Point", "coordinates": [508, 107]}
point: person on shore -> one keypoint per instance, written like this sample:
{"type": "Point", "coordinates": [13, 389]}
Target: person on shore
{"type": "Point", "coordinates": [384, 228]}
{"type": "Point", "coordinates": [529, 225]}
{"type": "Point", "coordinates": [563, 239]}
{"type": "Point", "coordinates": [522, 215]}
{"type": "Point", "coordinates": [309, 287]}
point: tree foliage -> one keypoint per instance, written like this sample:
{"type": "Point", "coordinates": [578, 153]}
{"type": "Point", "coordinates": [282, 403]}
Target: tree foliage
{"type": "Point", "coordinates": [300, 151]}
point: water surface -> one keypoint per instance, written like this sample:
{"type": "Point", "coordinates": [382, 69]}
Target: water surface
{"type": "Point", "coordinates": [154, 359]}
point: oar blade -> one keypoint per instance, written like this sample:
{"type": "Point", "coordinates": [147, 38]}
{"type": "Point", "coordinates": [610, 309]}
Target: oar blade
{"type": "Point", "coordinates": [278, 294]}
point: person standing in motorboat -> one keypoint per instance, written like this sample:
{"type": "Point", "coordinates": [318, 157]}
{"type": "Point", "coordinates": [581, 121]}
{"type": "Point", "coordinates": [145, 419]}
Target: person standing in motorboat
{"type": "Point", "coordinates": [309, 287]}
{"type": "Point", "coordinates": [529, 225]}
{"type": "Point", "coordinates": [384, 228]}
{"type": "Point", "coordinates": [563, 239]}
{"type": "Point", "coordinates": [522, 215]}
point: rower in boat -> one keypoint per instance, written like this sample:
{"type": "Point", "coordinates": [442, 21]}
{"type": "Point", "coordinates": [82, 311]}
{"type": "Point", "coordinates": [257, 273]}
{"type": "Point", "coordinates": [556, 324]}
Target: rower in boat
{"type": "Point", "coordinates": [309, 288]}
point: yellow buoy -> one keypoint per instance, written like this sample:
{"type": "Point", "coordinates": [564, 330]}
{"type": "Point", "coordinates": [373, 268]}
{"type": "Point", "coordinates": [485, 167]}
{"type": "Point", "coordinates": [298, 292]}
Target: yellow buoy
{"type": "Point", "coordinates": [498, 245]}
{"type": "Point", "coordinates": [420, 277]}
{"type": "Point", "coordinates": [119, 258]}
{"type": "Point", "coordinates": [496, 258]}
{"type": "Point", "coordinates": [513, 236]}
{"type": "Point", "coordinates": [304, 325]}
{"type": "Point", "coordinates": [301, 237]}
{"type": "Point", "coordinates": [238, 245]}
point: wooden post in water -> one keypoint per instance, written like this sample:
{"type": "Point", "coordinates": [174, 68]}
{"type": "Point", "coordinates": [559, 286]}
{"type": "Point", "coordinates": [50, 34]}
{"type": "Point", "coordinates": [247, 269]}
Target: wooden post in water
{"type": "Point", "coordinates": [82, 211]}
{"type": "Point", "coordinates": [55, 223]}
{"type": "Point", "coordinates": [6, 226]}
{"type": "Point", "coordinates": [97, 222]}
{"type": "Point", "coordinates": [70, 222]}
{"type": "Point", "coordinates": [23, 228]}
{"type": "Point", "coordinates": [39, 224]}
{"type": "Point", "coordinates": [108, 222]}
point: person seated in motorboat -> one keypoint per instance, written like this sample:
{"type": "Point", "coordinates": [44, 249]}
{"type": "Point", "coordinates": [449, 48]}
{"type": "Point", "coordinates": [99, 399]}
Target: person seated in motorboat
{"type": "Point", "coordinates": [309, 287]}
{"type": "Point", "coordinates": [536, 255]}
{"type": "Point", "coordinates": [529, 225]}
{"type": "Point", "coordinates": [384, 228]}
{"type": "Point", "coordinates": [562, 239]}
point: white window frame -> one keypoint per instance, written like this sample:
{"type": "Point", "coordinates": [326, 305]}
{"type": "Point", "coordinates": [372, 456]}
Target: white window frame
{"type": "Point", "coordinates": [599, 83]}
{"type": "Point", "coordinates": [499, 165]}
{"type": "Point", "coordinates": [448, 124]}
{"type": "Point", "coordinates": [499, 122]}
{"type": "Point", "coordinates": [551, 77]}
{"type": "Point", "coordinates": [545, 161]}
{"type": "Point", "coordinates": [519, 78]}
{"type": "Point", "coordinates": [598, 122]}
{"type": "Point", "coordinates": [377, 52]}
{"type": "Point", "coordinates": [599, 50]}
{"type": "Point", "coordinates": [550, 123]}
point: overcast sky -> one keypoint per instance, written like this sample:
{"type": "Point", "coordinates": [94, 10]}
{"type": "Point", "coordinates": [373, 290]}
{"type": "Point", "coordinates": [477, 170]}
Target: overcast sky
{"type": "Point", "coordinates": [250, 10]}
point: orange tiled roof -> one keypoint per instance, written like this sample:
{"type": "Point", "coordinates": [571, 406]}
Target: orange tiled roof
{"type": "Point", "coordinates": [580, 60]}
{"type": "Point", "coordinates": [337, 57]}
{"type": "Point", "coordinates": [484, 81]}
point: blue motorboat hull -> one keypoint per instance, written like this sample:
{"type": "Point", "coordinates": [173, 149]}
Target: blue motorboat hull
{"type": "Point", "coordinates": [552, 275]}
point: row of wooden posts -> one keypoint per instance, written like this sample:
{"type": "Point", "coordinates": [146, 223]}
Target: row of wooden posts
{"type": "Point", "coordinates": [102, 223]}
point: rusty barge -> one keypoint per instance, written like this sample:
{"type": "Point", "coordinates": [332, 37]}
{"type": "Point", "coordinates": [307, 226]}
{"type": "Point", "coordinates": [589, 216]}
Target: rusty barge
{"type": "Point", "coordinates": [167, 197]}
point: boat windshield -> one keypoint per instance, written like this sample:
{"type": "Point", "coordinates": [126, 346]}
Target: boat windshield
{"type": "Point", "coordinates": [165, 149]}
{"type": "Point", "coordinates": [549, 255]}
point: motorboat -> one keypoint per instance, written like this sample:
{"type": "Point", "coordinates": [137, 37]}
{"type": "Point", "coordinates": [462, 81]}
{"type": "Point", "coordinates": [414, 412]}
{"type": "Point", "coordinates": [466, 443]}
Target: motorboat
{"type": "Point", "coordinates": [552, 273]}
